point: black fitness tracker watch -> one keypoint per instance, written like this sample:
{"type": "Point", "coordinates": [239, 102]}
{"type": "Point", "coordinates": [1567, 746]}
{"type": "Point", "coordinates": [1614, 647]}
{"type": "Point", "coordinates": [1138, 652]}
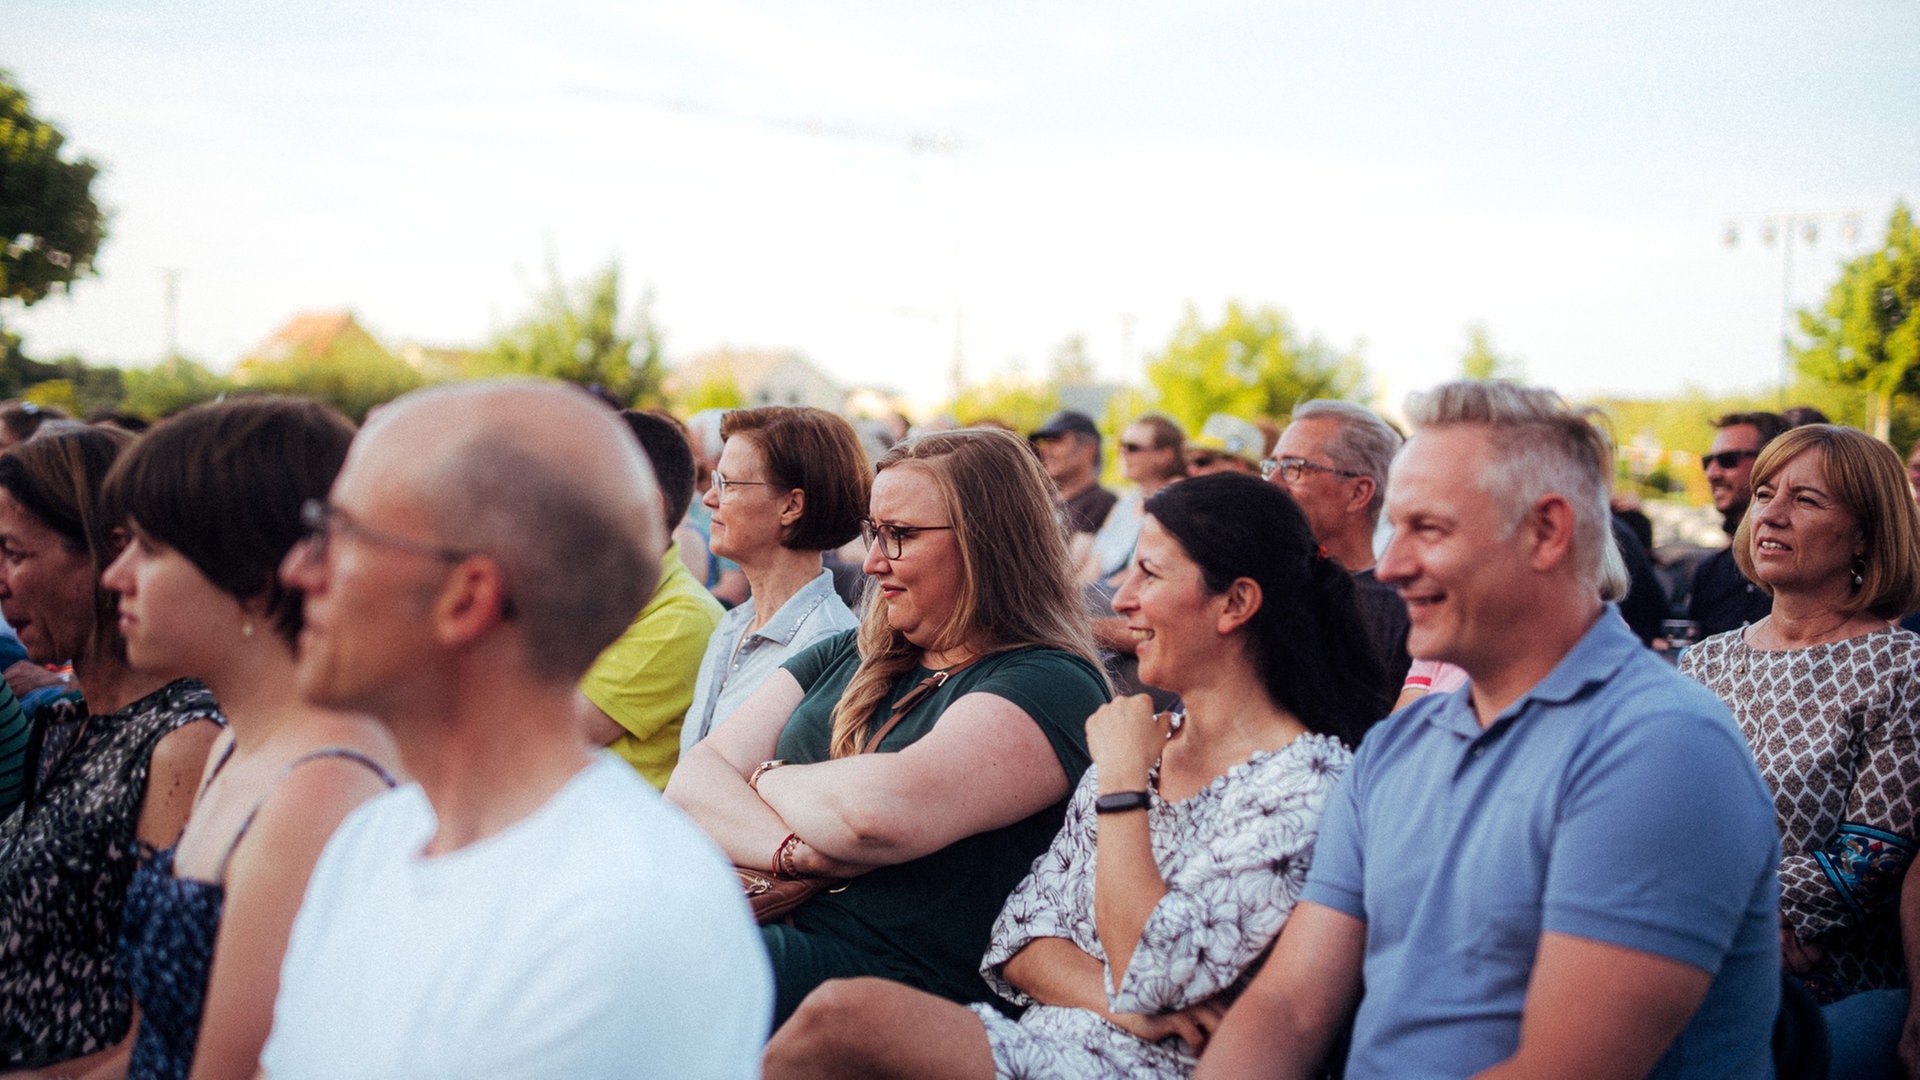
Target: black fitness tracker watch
{"type": "Point", "coordinates": [1120, 802]}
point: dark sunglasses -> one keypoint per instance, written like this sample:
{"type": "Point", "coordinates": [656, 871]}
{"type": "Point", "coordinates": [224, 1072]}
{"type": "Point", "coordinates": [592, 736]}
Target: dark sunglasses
{"type": "Point", "coordinates": [1727, 459]}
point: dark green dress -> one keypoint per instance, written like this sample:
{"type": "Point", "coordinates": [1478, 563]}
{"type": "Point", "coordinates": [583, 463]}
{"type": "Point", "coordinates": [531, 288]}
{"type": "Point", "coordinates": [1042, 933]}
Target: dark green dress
{"type": "Point", "coordinates": [925, 922]}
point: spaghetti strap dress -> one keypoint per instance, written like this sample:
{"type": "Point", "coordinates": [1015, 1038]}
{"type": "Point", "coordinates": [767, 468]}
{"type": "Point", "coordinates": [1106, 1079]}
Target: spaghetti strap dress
{"type": "Point", "coordinates": [167, 938]}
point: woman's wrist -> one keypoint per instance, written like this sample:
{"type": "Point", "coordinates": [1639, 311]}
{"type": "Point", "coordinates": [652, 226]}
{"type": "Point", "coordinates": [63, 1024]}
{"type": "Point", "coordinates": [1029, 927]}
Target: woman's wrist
{"type": "Point", "coordinates": [783, 856]}
{"type": "Point", "coordinates": [760, 770]}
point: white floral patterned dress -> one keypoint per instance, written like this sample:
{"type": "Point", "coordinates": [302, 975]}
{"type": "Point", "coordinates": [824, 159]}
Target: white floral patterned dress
{"type": "Point", "coordinates": [1234, 857]}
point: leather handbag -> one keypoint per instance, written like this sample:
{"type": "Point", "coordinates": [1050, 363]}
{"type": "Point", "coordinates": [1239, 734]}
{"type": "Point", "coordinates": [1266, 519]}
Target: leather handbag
{"type": "Point", "coordinates": [775, 896]}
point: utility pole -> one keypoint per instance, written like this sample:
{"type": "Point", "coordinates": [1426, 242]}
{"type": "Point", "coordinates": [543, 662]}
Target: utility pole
{"type": "Point", "coordinates": [170, 282]}
{"type": "Point", "coordinates": [1784, 227]}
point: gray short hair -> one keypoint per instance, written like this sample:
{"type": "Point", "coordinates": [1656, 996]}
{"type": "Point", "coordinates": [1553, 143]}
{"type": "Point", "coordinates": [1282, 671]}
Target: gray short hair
{"type": "Point", "coordinates": [1365, 443]}
{"type": "Point", "coordinates": [1541, 446]}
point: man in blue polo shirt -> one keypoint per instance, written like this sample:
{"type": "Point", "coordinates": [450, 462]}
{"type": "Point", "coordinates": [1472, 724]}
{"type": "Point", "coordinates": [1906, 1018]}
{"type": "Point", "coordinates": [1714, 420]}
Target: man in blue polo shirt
{"type": "Point", "coordinates": [1568, 868]}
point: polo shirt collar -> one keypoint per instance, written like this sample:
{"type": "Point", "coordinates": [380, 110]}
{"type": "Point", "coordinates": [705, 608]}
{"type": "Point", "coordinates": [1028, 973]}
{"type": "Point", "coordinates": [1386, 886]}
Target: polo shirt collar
{"type": "Point", "coordinates": [1597, 657]}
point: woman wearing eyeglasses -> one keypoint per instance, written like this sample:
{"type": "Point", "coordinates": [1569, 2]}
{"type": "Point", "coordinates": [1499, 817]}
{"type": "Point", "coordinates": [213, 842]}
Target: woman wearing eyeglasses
{"type": "Point", "coordinates": [792, 484]}
{"type": "Point", "coordinates": [114, 767]}
{"type": "Point", "coordinates": [1186, 844]}
{"type": "Point", "coordinates": [212, 502]}
{"type": "Point", "coordinates": [925, 758]}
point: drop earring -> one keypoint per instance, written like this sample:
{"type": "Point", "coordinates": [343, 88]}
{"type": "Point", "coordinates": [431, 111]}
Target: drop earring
{"type": "Point", "coordinates": [1859, 571]}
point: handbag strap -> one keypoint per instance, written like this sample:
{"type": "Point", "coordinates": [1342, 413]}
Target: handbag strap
{"type": "Point", "coordinates": [914, 697]}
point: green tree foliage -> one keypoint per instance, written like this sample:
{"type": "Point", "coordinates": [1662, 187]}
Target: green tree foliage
{"type": "Point", "coordinates": [1866, 336]}
{"type": "Point", "coordinates": [577, 334]}
{"type": "Point", "coordinates": [1251, 363]}
{"type": "Point", "coordinates": [50, 227]}
{"type": "Point", "coordinates": [719, 392]}
{"type": "Point", "coordinates": [1018, 402]}
{"type": "Point", "coordinates": [352, 373]}
{"type": "Point", "coordinates": [165, 389]}
{"type": "Point", "coordinates": [1483, 361]}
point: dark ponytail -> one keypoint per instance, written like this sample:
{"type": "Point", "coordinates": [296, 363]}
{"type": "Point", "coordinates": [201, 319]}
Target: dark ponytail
{"type": "Point", "coordinates": [1310, 647]}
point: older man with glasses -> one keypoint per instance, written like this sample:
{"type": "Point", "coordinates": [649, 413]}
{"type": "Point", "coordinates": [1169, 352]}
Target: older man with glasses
{"type": "Point", "coordinates": [528, 907]}
{"type": "Point", "coordinates": [1333, 458]}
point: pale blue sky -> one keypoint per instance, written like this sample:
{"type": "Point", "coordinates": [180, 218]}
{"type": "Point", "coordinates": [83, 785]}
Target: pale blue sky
{"type": "Point", "coordinates": [1386, 173]}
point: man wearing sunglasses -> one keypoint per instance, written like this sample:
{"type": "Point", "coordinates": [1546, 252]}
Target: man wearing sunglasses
{"type": "Point", "coordinates": [1722, 598]}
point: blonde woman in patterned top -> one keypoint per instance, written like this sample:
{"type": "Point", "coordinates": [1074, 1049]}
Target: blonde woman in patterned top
{"type": "Point", "coordinates": [1827, 691]}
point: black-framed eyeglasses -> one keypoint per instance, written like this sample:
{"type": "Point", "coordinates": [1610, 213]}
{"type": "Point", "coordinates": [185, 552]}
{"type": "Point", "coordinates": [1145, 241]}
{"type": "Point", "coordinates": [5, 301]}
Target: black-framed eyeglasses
{"type": "Point", "coordinates": [323, 520]}
{"type": "Point", "coordinates": [1292, 469]}
{"type": "Point", "coordinates": [724, 484]}
{"type": "Point", "coordinates": [1726, 459]}
{"type": "Point", "coordinates": [892, 536]}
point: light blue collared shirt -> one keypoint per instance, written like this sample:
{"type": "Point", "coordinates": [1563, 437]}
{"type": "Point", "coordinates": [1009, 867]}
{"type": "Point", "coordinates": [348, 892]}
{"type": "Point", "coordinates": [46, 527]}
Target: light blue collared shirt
{"type": "Point", "coordinates": [737, 662]}
{"type": "Point", "coordinates": [1614, 801]}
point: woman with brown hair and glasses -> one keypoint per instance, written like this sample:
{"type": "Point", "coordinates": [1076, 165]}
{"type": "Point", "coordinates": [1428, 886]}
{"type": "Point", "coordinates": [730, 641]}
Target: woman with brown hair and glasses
{"type": "Point", "coordinates": [116, 767]}
{"type": "Point", "coordinates": [791, 484]}
{"type": "Point", "coordinates": [926, 758]}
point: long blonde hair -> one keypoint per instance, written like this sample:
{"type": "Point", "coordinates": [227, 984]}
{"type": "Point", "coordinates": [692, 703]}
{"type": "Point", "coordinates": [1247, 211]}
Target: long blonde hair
{"type": "Point", "coordinates": [1016, 589]}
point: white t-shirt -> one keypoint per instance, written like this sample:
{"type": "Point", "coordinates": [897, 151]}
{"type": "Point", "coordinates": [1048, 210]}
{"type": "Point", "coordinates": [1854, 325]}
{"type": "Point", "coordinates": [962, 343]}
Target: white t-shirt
{"type": "Point", "coordinates": [602, 935]}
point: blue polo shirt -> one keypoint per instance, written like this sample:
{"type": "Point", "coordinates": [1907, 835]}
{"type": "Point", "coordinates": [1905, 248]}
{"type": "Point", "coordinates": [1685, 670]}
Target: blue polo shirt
{"type": "Point", "coordinates": [1615, 801]}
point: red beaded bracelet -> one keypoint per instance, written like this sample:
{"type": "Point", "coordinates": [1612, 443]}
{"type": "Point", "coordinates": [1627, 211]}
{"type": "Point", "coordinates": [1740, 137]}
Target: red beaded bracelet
{"type": "Point", "coordinates": [783, 859]}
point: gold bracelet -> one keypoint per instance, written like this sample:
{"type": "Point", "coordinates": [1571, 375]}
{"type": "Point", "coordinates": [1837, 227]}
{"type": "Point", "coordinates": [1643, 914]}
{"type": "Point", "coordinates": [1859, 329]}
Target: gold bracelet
{"type": "Point", "coordinates": [760, 770]}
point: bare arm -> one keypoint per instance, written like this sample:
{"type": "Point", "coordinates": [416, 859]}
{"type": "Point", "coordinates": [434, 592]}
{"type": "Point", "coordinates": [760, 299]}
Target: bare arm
{"type": "Point", "coordinates": [1054, 971]}
{"type": "Point", "coordinates": [710, 783]}
{"type": "Point", "coordinates": [1286, 1021]}
{"type": "Point", "coordinates": [1596, 1011]}
{"type": "Point", "coordinates": [986, 764]}
{"type": "Point", "coordinates": [600, 728]}
{"type": "Point", "coordinates": [265, 883]}
{"type": "Point", "coordinates": [1125, 739]}
{"type": "Point", "coordinates": [173, 780]}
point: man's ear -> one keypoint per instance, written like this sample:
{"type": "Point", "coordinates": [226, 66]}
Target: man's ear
{"type": "Point", "coordinates": [1362, 497]}
{"type": "Point", "coordinates": [471, 602]}
{"type": "Point", "coordinates": [1548, 527]}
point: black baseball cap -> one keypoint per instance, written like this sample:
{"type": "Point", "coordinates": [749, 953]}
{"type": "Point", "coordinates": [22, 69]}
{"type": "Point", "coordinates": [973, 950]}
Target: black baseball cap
{"type": "Point", "coordinates": [1067, 421]}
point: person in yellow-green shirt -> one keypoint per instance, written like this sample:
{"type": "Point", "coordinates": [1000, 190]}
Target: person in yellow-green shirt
{"type": "Point", "coordinates": [638, 690]}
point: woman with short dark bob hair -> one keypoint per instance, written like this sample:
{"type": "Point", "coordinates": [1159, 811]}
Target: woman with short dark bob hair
{"type": "Point", "coordinates": [213, 502]}
{"type": "Point", "coordinates": [115, 767]}
{"type": "Point", "coordinates": [1826, 690]}
{"type": "Point", "coordinates": [1186, 843]}
{"type": "Point", "coordinates": [791, 485]}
